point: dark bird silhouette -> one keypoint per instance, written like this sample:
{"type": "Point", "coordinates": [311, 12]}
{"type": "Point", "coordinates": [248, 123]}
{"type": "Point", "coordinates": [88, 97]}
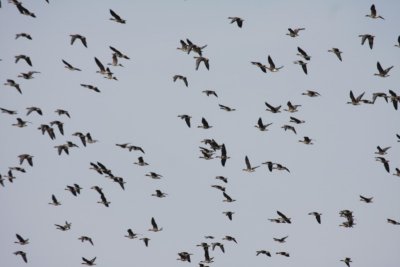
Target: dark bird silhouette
{"type": "Point", "coordinates": [272, 108]}
{"type": "Point", "coordinates": [180, 77]}
{"type": "Point", "coordinates": [22, 254]}
{"type": "Point", "coordinates": [366, 199]}
{"type": "Point", "coordinates": [317, 216]}
{"type": "Point", "coordinates": [210, 92]}
{"type": "Point", "coordinates": [204, 60]}
{"type": "Point", "coordinates": [303, 54]}
{"type": "Point", "coordinates": [373, 14]}
{"type": "Point", "coordinates": [12, 83]}
{"type": "Point", "coordinates": [186, 118]}
{"type": "Point", "coordinates": [69, 66]}
{"type": "Point", "coordinates": [249, 168]}
{"type": "Point", "coordinates": [261, 126]}
{"type": "Point", "coordinates": [294, 32]}
{"type": "Point", "coordinates": [54, 200]}
{"type": "Point", "coordinates": [237, 20]}
{"type": "Point", "coordinates": [21, 240]}
{"type": "Point", "coordinates": [24, 57]}
{"type": "Point", "coordinates": [368, 37]}
{"type": "Point", "coordinates": [284, 217]}
{"type": "Point", "coordinates": [272, 66]}
{"type": "Point", "coordinates": [89, 262]}
{"type": "Point", "coordinates": [205, 124]}
{"type": "Point", "coordinates": [337, 52]}
{"type": "Point", "coordinates": [86, 238]}
{"type": "Point", "coordinates": [80, 37]}
{"type": "Point", "coordinates": [116, 17]}
{"type": "Point", "coordinates": [23, 34]}
{"type": "Point", "coordinates": [154, 226]}
{"type": "Point", "coordinates": [382, 72]}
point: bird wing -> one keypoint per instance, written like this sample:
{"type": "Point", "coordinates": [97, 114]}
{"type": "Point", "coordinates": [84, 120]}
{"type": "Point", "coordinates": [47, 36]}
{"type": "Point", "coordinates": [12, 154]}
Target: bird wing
{"type": "Point", "coordinates": [248, 165]}
{"type": "Point", "coordinates": [67, 64]}
{"type": "Point", "coordinates": [204, 122]}
{"type": "Point", "coordinates": [271, 62]}
{"type": "Point", "coordinates": [153, 223]}
{"type": "Point", "coordinates": [115, 15]}
{"type": "Point", "coordinates": [301, 51]}
{"type": "Point", "coordinates": [99, 64]}
{"type": "Point", "coordinates": [260, 123]}
{"type": "Point", "coordinates": [373, 10]}
{"type": "Point", "coordinates": [228, 198]}
{"type": "Point", "coordinates": [353, 99]}
{"type": "Point", "coordinates": [378, 65]}
{"type": "Point", "coordinates": [115, 50]}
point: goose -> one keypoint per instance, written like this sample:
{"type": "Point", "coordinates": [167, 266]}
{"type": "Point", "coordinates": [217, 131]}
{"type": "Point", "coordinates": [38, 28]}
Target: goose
{"type": "Point", "coordinates": [206, 155]}
{"type": "Point", "coordinates": [131, 234]}
{"type": "Point", "coordinates": [317, 216]}
{"type": "Point", "coordinates": [222, 178]}
{"type": "Point", "coordinates": [60, 125]}
{"type": "Point", "coordinates": [23, 10]}
{"type": "Point", "coordinates": [382, 72]}
{"type": "Point", "coordinates": [373, 14]}
{"type": "Point", "coordinates": [20, 123]}
{"type": "Point", "coordinates": [207, 258]}
{"type": "Point", "coordinates": [154, 175]}
{"type": "Point", "coordinates": [118, 53]}
{"type": "Point", "coordinates": [22, 254]}
{"type": "Point", "coordinates": [62, 148]}
{"type": "Point", "coordinates": [180, 77]}
{"type": "Point", "coordinates": [263, 251]}
{"type": "Point", "coordinates": [311, 93]}
{"type": "Point", "coordinates": [184, 256]}
{"type": "Point", "coordinates": [145, 240]}
{"type": "Point", "coordinates": [296, 120]}
{"type": "Point", "coordinates": [229, 214]}
{"type": "Point", "coordinates": [385, 162]}
{"type": "Point", "coordinates": [218, 244]}
{"type": "Point", "coordinates": [104, 169]}
{"type": "Point", "coordinates": [284, 217]}
{"type": "Point", "coordinates": [366, 199]}
{"type": "Point", "coordinates": [116, 17]}
{"type": "Point", "coordinates": [355, 101]}
{"type": "Point", "coordinates": [283, 253]}
{"type": "Point", "coordinates": [98, 189]}
{"type": "Point", "coordinates": [307, 141]}
{"type": "Point", "coordinates": [72, 189]}
{"type": "Point", "coordinates": [23, 34]}
{"type": "Point", "coordinates": [8, 111]}
{"type": "Point", "coordinates": [382, 151]}
{"type": "Point", "coordinates": [289, 127]}
{"type": "Point", "coordinates": [195, 48]}
{"type": "Point", "coordinates": [81, 136]}
{"type": "Point", "coordinates": [115, 61]}
{"type": "Point", "coordinates": [272, 67]}
{"type": "Point", "coordinates": [280, 240]}
{"type": "Point", "coordinates": [226, 108]}
{"type": "Point", "coordinates": [237, 20]}
{"type": "Point", "coordinates": [368, 37]}
{"type": "Point", "coordinates": [229, 238]}
{"type": "Point", "coordinates": [223, 156]}
{"type": "Point", "coordinates": [34, 109]}
{"type": "Point", "coordinates": [104, 200]}
{"type": "Point", "coordinates": [347, 261]}
{"type": "Point", "coordinates": [91, 87]}
{"type": "Point", "coordinates": [90, 140]}
{"type": "Point", "coordinates": [136, 148]}
{"type": "Point", "coordinates": [204, 123]}
{"type": "Point", "coordinates": [184, 46]}
{"type": "Point", "coordinates": [19, 169]}
{"type": "Point", "coordinates": [394, 222]}
{"type": "Point", "coordinates": [294, 32]}
{"type": "Point", "coordinates": [24, 57]}
{"type": "Point", "coordinates": [141, 162]}
{"type": "Point", "coordinates": [124, 145]}
{"type": "Point", "coordinates": [379, 94]}
{"type": "Point", "coordinates": [269, 164]}
{"type": "Point", "coordinates": [262, 67]}
{"type": "Point", "coordinates": [302, 64]}
{"type": "Point", "coordinates": [154, 226]}
{"type": "Point", "coordinates": [89, 262]}
{"type": "Point", "coordinates": [204, 60]}
{"type": "Point", "coordinates": [272, 108]}
{"type": "Point", "coordinates": [261, 126]}
{"type": "Point", "coordinates": [26, 157]}
{"type": "Point", "coordinates": [69, 66]}
{"type": "Point", "coordinates": [186, 118]}
{"type": "Point", "coordinates": [337, 52]}
{"type": "Point", "coordinates": [65, 227]}
{"type": "Point", "coordinates": [86, 238]}
{"type": "Point", "coordinates": [54, 200]}
{"type": "Point", "coordinates": [303, 54]}
{"type": "Point", "coordinates": [398, 42]}
{"type": "Point", "coordinates": [210, 92]}
{"type": "Point", "coordinates": [102, 70]}
{"type": "Point", "coordinates": [10, 176]}
{"type": "Point", "coordinates": [228, 198]}
{"type": "Point", "coordinates": [21, 240]}
{"type": "Point", "coordinates": [159, 194]}
{"type": "Point", "coordinates": [80, 37]}
{"type": "Point", "coordinates": [219, 187]}
{"type": "Point", "coordinates": [209, 237]}
{"type": "Point", "coordinates": [62, 112]}
{"type": "Point", "coordinates": [118, 180]}
{"type": "Point", "coordinates": [249, 168]}
{"type": "Point", "coordinates": [280, 167]}
{"type": "Point", "coordinates": [28, 75]}
{"type": "Point", "coordinates": [12, 83]}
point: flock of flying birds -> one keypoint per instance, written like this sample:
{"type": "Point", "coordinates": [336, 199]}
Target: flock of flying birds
{"type": "Point", "coordinates": [210, 149]}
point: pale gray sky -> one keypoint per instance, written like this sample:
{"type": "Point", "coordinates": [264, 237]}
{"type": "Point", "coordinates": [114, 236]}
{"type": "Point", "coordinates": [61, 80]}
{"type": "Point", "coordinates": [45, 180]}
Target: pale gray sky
{"type": "Point", "coordinates": [142, 108]}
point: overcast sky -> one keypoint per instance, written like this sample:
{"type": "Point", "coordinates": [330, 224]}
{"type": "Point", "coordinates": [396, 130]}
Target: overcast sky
{"type": "Point", "coordinates": [142, 108]}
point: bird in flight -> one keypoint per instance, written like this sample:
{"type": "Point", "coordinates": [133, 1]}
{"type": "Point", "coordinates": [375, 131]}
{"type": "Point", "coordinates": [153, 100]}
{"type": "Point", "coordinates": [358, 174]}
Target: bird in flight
{"type": "Point", "coordinates": [239, 21]}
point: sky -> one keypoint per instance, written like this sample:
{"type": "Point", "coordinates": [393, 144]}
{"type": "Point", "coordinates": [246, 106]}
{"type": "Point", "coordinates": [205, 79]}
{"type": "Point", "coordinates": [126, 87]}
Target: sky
{"type": "Point", "coordinates": [142, 108]}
